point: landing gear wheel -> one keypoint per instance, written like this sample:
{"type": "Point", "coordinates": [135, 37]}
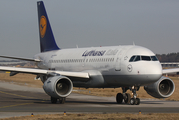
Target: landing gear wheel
{"type": "Point", "coordinates": [132, 101]}
{"type": "Point", "coordinates": [119, 98]}
{"type": "Point", "coordinates": [137, 101]}
{"type": "Point", "coordinates": [127, 98]}
{"type": "Point", "coordinates": [53, 100]}
{"type": "Point", "coordinates": [62, 100]}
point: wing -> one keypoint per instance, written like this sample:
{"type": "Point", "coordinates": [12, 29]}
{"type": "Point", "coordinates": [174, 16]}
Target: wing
{"type": "Point", "coordinates": [42, 71]}
{"type": "Point", "coordinates": [170, 70]}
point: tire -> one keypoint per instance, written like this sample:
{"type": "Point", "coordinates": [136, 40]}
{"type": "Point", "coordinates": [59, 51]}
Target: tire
{"type": "Point", "coordinates": [137, 101]}
{"type": "Point", "coordinates": [62, 100]}
{"type": "Point", "coordinates": [53, 100]}
{"type": "Point", "coordinates": [119, 98]}
{"type": "Point", "coordinates": [128, 98]}
{"type": "Point", "coordinates": [132, 101]}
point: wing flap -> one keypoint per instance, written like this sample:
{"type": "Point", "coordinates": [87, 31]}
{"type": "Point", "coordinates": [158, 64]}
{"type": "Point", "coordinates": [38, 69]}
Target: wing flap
{"type": "Point", "coordinates": [41, 71]}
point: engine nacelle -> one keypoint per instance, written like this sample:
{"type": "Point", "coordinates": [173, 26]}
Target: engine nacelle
{"type": "Point", "coordinates": [58, 86]}
{"type": "Point", "coordinates": [163, 88]}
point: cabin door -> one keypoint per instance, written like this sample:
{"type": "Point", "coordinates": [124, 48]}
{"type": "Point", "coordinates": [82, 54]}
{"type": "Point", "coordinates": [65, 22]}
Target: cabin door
{"type": "Point", "coordinates": [119, 59]}
{"type": "Point", "coordinates": [118, 64]}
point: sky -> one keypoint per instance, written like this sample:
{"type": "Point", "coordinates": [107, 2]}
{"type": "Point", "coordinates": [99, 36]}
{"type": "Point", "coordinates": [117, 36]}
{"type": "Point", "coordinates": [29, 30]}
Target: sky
{"type": "Point", "coordinates": [153, 24]}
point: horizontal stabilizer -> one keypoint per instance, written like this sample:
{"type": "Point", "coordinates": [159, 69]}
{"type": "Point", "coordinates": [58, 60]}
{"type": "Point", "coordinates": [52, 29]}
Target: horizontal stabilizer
{"type": "Point", "coordinates": [18, 58]}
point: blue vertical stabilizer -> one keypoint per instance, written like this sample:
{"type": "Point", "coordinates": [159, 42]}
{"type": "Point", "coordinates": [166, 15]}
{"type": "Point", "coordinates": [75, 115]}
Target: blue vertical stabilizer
{"type": "Point", "coordinates": [47, 40]}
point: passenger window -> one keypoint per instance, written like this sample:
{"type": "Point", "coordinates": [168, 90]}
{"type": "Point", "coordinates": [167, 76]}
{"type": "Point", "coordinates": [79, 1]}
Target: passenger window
{"type": "Point", "coordinates": [154, 58]}
{"type": "Point", "coordinates": [137, 58]}
{"type": "Point", "coordinates": [146, 58]}
{"type": "Point", "coordinates": [132, 58]}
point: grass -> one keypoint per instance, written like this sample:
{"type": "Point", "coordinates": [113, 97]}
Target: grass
{"type": "Point", "coordinates": [21, 79]}
{"type": "Point", "coordinates": [113, 116]}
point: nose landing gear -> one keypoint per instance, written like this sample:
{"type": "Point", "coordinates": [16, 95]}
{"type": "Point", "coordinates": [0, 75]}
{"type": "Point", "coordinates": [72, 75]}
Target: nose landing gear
{"type": "Point", "coordinates": [134, 100]}
{"type": "Point", "coordinates": [127, 97]}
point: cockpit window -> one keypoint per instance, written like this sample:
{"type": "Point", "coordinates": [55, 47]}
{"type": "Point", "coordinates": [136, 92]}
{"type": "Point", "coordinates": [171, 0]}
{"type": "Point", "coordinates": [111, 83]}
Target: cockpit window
{"type": "Point", "coordinates": [154, 58]}
{"type": "Point", "coordinates": [146, 58]}
{"type": "Point", "coordinates": [132, 58]}
{"type": "Point", "coordinates": [137, 58]}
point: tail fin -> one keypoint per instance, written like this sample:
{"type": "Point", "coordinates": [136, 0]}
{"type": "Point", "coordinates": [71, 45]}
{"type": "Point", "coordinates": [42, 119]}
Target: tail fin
{"type": "Point", "coordinates": [47, 40]}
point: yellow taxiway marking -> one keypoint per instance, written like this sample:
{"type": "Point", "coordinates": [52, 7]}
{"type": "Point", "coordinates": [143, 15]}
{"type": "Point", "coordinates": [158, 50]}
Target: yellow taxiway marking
{"type": "Point", "coordinates": [16, 105]}
{"type": "Point", "coordinates": [15, 95]}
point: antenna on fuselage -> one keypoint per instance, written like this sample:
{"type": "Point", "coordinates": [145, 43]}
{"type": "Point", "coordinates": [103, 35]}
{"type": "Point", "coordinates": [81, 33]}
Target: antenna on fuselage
{"type": "Point", "coordinates": [133, 43]}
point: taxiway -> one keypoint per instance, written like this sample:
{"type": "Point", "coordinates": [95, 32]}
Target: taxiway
{"type": "Point", "coordinates": [16, 98]}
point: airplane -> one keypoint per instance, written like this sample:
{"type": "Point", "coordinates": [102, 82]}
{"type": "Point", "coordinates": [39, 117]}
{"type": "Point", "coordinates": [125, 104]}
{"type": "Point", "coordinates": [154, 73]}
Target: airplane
{"type": "Point", "coordinates": [126, 66]}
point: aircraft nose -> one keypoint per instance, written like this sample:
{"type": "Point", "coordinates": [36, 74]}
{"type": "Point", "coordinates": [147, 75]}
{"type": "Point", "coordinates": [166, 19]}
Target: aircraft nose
{"type": "Point", "coordinates": [154, 72]}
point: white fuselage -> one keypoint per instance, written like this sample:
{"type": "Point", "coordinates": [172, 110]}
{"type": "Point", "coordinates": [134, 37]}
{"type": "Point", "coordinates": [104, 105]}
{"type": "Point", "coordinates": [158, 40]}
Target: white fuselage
{"type": "Point", "coordinates": [112, 63]}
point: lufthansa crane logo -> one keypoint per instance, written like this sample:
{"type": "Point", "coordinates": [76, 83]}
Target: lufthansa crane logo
{"type": "Point", "coordinates": [129, 68]}
{"type": "Point", "coordinates": [43, 26]}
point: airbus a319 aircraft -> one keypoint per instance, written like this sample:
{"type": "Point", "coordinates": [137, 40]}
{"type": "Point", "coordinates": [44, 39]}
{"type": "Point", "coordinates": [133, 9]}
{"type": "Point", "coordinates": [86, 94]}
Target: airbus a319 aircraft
{"type": "Point", "coordinates": [128, 67]}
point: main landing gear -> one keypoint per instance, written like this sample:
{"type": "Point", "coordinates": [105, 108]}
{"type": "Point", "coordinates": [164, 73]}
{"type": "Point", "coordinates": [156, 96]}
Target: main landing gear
{"type": "Point", "coordinates": [61, 100]}
{"type": "Point", "coordinates": [127, 97]}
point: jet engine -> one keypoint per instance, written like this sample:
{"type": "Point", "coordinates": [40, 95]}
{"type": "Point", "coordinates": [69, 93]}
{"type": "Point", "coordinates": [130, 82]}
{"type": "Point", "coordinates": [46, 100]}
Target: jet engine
{"type": "Point", "coordinates": [58, 86]}
{"type": "Point", "coordinates": [163, 88]}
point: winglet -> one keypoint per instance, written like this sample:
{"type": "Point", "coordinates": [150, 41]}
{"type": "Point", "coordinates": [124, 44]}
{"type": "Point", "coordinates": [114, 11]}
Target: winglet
{"type": "Point", "coordinates": [47, 40]}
